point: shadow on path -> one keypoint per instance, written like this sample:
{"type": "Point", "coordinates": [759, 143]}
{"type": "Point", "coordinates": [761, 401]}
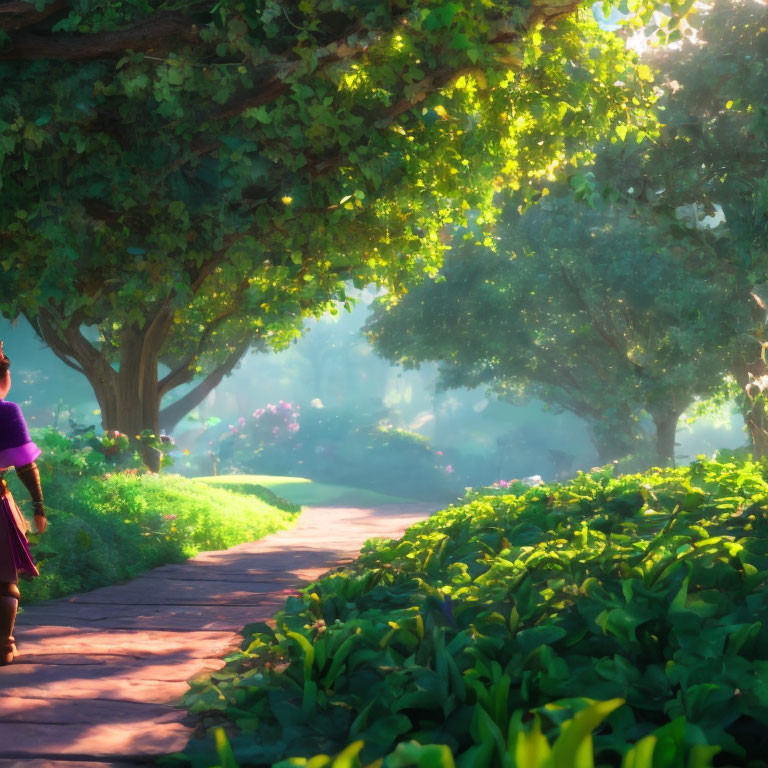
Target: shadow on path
{"type": "Point", "coordinates": [99, 672]}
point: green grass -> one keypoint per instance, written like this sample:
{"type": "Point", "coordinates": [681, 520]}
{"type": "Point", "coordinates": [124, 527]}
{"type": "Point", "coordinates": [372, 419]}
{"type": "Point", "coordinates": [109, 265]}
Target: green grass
{"type": "Point", "coordinates": [648, 592]}
{"type": "Point", "coordinates": [105, 529]}
{"type": "Point", "coordinates": [305, 492]}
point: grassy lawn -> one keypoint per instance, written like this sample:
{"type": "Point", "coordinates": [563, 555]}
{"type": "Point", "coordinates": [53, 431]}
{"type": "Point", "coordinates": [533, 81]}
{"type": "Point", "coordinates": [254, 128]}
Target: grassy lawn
{"type": "Point", "coordinates": [301, 490]}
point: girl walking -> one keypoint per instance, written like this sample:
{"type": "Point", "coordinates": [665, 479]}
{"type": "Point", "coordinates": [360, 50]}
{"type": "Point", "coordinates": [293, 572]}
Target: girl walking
{"type": "Point", "coordinates": [16, 450]}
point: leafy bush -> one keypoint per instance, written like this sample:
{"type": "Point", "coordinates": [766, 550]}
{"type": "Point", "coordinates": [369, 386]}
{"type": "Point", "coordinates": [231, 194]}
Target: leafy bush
{"type": "Point", "coordinates": [524, 746]}
{"type": "Point", "coordinates": [110, 527]}
{"type": "Point", "coordinates": [336, 446]}
{"type": "Point", "coordinates": [85, 452]}
{"type": "Point", "coordinates": [269, 440]}
{"type": "Point", "coordinates": [649, 588]}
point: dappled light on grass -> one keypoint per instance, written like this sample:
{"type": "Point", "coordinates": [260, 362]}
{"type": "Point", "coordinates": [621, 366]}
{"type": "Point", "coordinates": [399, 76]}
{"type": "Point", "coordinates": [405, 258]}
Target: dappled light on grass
{"type": "Point", "coordinates": [107, 529]}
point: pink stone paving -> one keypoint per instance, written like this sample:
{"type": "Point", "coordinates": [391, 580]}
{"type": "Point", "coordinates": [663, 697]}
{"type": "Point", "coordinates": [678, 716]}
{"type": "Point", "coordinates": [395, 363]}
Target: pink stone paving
{"type": "Point", "coordinates": [99, 677]}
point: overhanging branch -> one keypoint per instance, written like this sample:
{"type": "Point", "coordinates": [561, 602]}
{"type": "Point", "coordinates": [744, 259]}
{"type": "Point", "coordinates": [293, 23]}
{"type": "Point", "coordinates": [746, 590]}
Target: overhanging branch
{"type": "Point", "coordinates": [182, 373]}
{"type": "Point", "coordinates": [18, 14]}
{"type": "Point", "coordinates": [154, 32]}
{"type": "Point", "coordinates": [48, 335]}
{"type": "Point", "coordinates": [172, 414]}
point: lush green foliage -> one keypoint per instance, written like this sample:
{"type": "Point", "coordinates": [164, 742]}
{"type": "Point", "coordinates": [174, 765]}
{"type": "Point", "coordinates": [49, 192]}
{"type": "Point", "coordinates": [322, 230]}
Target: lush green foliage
{"type": "Point", "coordinates": [220, 171]}
{"type": "Point", "coordinates": [651, 588]}
{"type": "Point", "coordinates": [632, 303]}
{"type": "Point", "coordinates": [584, 308]}
{"type": "Point", "coordinates": [704, 182]}
{"type": "Point", "coordinates": [523, 746]}
{"type": "Point", "coordinates": [84, 451]}
{"type": "Point", "coordinates": [109, 527]}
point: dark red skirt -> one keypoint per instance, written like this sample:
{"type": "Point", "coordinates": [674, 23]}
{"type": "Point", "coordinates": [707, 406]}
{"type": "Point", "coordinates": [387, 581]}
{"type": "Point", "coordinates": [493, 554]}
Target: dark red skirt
{"type": "Point", "coordinates": [15, 557]}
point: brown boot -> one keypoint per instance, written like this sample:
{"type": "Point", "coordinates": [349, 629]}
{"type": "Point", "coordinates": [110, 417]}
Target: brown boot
{"type": "Point", "coordinates": [8, 608]}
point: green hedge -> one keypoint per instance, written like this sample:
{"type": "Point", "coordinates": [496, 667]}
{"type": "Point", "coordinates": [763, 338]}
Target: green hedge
{"type": "Point", "coordinates": [647, 588]}
{"type": "Point", "coordinates": [111, 527]}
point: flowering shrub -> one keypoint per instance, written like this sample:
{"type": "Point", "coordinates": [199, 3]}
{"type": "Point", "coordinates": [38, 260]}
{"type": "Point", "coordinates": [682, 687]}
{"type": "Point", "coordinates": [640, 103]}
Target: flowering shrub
{"type": "Point", "coordinates": [335, 446]}
{"type": "Point", "coordinates": [113, 442]}
{"type": "Point", "coordinates": [273, 424]}
{"type": "Point", "coordinates": [266, 441]}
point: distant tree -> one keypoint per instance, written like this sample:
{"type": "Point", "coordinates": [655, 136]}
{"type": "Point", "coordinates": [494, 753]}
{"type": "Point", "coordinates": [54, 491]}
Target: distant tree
{"type": "Point", "coordinates": [192, 181]}
{"type": "Point", "coordinates": [704, 181]}
{"type": "Point", "coordinates": [587, 310]}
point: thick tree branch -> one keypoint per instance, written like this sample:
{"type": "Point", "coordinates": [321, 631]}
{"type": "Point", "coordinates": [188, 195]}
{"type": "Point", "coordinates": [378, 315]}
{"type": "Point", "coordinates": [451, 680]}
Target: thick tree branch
{"type": "Point", "coordinates": [49, 336]}
{"type": "Point", "coordinates": [172, 414]}
{"type": "Point", "coordinates": [154, 32]}
{"type": "Point", "coordinates": [93, 362]}
{"type": "Point", "coordinates": [16, 6]}
{"type": "Point", "coordinates": [275, 86]}
{"type": "Point", "coordinates": [182, 373]}
{"type": "Point", "coordinates": [152, 337]}
{"type": "Point", "coordinates": [18, 14]}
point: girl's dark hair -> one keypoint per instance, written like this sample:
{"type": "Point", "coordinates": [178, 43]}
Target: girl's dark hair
{"type": "Point", "coordinates": [5, 363]}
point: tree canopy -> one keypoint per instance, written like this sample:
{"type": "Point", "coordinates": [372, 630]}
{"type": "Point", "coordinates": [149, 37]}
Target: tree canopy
{"type": "Point", "coordinates": [191, 178]}
{"type": "Point", "coordinates": [705, 180]}
{"type": "Point", "coordinates": [586, 309]}
{"type": "Point", "coordinates": [652, 298]}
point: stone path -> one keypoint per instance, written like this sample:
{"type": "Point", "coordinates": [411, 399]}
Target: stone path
{"type": "Point", "coordinates": [99, 673]}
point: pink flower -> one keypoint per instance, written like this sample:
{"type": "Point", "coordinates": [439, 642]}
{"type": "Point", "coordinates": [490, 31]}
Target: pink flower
{"type": "Point", "coordinates": [293, 427]}
{"type": "Point", "coordinates": [449, 469]}
{"type": "Point", "coordinates": [169, 517]}
{"type": "Point", "coordinates": [241, 421]}
{"type": "Point", "coordinates": [286, 406]}
{"type": "Point", "coordinates": [271, 408]}
{"type": "Point", "coordinates": [439, 453]}
{"type": "Point", "coordinates": [258, 413]}
{"type": "Point", "coordinates": [275, 430]}
{"type": "Point", "coordinates": [504, 483]}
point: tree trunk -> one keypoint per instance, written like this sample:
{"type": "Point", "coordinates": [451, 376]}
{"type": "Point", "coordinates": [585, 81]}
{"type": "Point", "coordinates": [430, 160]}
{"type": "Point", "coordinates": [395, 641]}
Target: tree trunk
{"type": "Point", "coordinates": [130, 401]}
{"type": "Point", "coordinates": [130, 396]}
{"type": "Point", "coordinates": [751, 374]}
{"type": "Point", "coordinates": [665, 423]}
{"type": "Point", "coordinates": [122, 410]}
{"type": "Point", "coordinates": [757, 424]}
{"type": "Point", "coordinates": [752, 378]}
